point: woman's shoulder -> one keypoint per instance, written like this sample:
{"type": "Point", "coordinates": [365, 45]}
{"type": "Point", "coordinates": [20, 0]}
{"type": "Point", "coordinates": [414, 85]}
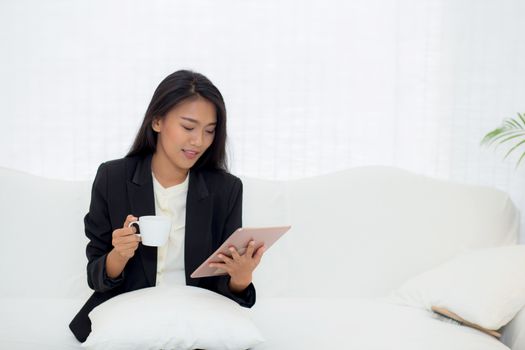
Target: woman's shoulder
{"type": "Point", "coordinates": [121, 167]}
{"type": "Point", "coordinates": [122, 162]}
{"type": "Point", "coordinates": [220, 180]}
{"type": "Point", "coordinates": [113, 165]}
{"type": "Point", "coordinates": [224, 186]}
{"type": "Point", "coordinates": [219, 176]}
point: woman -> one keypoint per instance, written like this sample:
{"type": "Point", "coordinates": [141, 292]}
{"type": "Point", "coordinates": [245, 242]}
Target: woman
{"type": "Point", "coordinates": [176, 167]}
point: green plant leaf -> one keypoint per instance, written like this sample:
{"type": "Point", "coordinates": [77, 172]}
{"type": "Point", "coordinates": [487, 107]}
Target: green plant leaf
{"type": "Point", "coordinates": [511, 124]}
{"type": "Point", "coordinates": [504, 133]}
{"type": "Point", "coordinates": [490, 136]}
{"type": "Point", "coordinates": [519, 161]}
{"type": "Point", "coordinates": [522, 119]}
{"type": "Point", "coordinates": [513, 148]}
{"type": "Point", "coordinates": [510, 129]}
{"type": "Point", "coordinates": [522, 133]}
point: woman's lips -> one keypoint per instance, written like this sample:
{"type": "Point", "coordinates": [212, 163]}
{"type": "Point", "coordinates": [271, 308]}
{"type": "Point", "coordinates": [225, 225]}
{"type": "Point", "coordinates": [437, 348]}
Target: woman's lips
{"type": "Point", "coordinates": [190, 154]}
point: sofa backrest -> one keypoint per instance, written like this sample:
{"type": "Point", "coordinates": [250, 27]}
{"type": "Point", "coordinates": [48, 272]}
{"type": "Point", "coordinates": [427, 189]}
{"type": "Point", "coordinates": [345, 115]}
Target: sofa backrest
{"type": "Point", "coordinates": [364, 231]}
{"type": "Point", "coordinates": [359, 232]}
{"type": "Point", "coordinates": [43, 243]}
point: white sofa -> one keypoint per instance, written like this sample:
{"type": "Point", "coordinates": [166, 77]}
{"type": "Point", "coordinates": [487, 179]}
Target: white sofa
{"type": "Point", "coordinates": [356, 235]}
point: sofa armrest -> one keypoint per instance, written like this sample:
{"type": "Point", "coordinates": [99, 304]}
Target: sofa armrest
{"type": "Point", "coordinates": [514, 332]}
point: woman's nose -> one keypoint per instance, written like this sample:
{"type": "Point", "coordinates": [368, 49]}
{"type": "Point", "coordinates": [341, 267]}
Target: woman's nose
{"type": "Point", "coordinates": [196, 140]}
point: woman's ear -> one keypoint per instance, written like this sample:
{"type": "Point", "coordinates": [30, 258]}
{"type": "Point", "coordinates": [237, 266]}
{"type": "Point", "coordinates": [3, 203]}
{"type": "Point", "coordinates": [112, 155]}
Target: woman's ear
{"type": "Point", "coordinates": [155, 124]}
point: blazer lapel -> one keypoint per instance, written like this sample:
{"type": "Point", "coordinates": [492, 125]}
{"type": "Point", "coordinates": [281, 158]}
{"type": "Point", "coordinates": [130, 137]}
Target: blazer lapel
{"type": "Point", "coordinates": [142, 202]}
{"type": "Point", "coordinates": [198, 237]}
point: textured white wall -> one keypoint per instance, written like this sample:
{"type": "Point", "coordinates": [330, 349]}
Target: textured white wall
{"type": "Point", "coordinates": [310, 87]}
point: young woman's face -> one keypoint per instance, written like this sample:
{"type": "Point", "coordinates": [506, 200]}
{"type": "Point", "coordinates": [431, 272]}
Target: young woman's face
{"type": "Point", "coordinates": [186, 132]}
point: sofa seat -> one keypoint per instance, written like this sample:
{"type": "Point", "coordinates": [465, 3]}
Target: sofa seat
{"type": "Point", "coordinates": [286, 323]}
{"type": "Point", "coordinates": [359, 323]}
{"type": "Point", "coordinates": [38, 323]}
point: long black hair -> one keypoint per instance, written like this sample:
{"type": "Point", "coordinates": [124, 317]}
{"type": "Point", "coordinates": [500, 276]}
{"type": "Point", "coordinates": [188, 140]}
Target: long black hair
{"type": "Point", "coordinates": [175, 88]}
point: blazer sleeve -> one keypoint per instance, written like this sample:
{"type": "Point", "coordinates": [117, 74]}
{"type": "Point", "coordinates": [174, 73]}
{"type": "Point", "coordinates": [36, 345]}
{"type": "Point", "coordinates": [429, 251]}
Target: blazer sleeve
{"type": "Point", "coordinates": [245, 298]}
{"type": "Point", "coordinates": [99, 232]}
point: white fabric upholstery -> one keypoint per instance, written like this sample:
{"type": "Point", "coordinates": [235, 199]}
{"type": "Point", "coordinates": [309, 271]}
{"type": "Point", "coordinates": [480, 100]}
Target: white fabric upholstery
{"type": "Point", "coordinates": [367, 230]}
{"type": "Point", "coordinates": [360, 323]}
{"type": "Point", "coordinates": [179, 318]}
{"type": "Point", "coordinates": [43, 235]}
{"type": "Point", "coordinates": [514, 335]}
{"type": "Point", "coordinates": [356, 233]}
{"type": "Point", "coordinates": [485, 287]}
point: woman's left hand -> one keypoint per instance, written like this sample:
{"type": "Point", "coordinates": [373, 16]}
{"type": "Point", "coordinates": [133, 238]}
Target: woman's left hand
{"type": "Point", "coordinates": [240, 267]}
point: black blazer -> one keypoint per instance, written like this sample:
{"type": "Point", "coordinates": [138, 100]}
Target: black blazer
{"type": "Point", "coordinates": [125, 186]}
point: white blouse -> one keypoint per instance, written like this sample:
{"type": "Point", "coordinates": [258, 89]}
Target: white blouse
{"type": "Point", "coordinates": [171, 202]}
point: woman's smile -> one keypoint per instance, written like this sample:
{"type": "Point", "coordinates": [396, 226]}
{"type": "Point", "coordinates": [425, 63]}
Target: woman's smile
{"type": "Point", "coordinates": [190, 154]}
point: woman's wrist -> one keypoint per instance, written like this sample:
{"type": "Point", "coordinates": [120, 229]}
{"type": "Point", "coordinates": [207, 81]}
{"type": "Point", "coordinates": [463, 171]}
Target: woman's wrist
{"type": "Point", "coordinates": [115, 264]}
{"type": "Point", "coordinates": [237, 286]}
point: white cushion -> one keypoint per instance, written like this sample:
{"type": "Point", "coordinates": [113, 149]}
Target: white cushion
{"type": "Point", "coordinates": [180, 317]}
{"type": "Point", "coordinates": [485, 287]}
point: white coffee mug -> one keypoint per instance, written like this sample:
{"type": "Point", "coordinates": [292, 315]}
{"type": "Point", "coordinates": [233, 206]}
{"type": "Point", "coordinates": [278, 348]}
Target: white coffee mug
{"type": "Point", "coordinates": [153, 230]}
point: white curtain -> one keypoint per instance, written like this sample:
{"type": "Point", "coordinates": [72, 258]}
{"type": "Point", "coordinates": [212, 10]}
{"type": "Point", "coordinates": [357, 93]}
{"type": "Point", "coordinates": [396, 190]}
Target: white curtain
{"type": "Point", "coordinates": [310, 87]}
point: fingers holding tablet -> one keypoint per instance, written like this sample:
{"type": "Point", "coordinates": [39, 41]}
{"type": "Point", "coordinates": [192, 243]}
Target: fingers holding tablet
{"type": "Point", "coordinates": [249, 245]}
{"type": "Point", "coordinates": [239, 266]}
{"type": "Point", "coordinates": [259, 253]}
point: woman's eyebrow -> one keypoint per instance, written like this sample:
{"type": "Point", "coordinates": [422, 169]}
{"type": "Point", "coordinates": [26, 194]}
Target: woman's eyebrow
{"type": "Point", "coordinates": [196, 121]}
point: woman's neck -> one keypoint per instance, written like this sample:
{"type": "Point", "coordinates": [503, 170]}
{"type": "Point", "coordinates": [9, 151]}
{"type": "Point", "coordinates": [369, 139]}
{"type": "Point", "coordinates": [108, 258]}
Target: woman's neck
{"type": "Point", "coordinates": [165, 172]}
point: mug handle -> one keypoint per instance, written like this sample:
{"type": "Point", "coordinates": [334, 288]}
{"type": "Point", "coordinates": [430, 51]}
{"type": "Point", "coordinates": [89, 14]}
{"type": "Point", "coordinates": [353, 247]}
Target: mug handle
{"type": "Point", "coordinates": [137, 227]}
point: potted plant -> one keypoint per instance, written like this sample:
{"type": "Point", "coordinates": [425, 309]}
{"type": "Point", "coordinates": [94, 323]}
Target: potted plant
{"type": "Point", "coordinates": [511, 129]}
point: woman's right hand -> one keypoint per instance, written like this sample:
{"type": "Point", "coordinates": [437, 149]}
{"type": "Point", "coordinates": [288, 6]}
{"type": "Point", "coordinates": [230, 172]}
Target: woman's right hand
{"type": "Point", "coordinates": [125, 241]}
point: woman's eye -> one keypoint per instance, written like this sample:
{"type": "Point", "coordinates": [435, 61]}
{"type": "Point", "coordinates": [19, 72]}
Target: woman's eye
{"type": "Point", "coordinates": [211, 131]}
{"type": "Point", "coordinates": [187, 128]}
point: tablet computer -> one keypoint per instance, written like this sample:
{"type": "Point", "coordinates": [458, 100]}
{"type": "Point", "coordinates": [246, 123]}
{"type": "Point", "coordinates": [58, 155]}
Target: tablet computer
{"type": "Point", "coordinates": [239, 239]}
